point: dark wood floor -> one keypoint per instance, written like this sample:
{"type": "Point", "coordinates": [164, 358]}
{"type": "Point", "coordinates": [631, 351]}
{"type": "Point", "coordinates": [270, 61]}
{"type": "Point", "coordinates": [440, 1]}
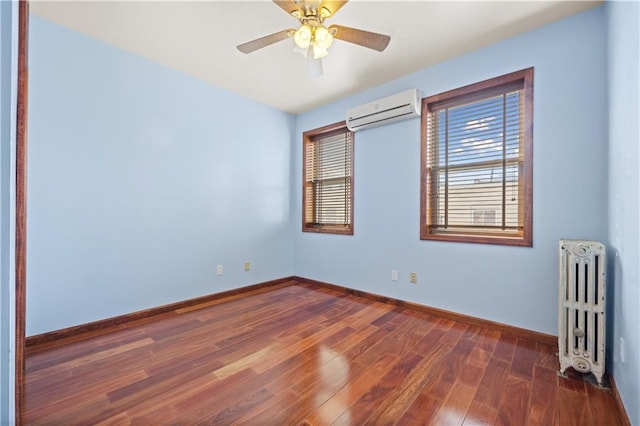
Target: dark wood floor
{"type": "Point", "coordinates": [306, 355]}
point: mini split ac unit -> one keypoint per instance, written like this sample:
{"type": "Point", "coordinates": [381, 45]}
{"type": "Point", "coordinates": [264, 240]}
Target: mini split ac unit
{"type": "Point", "coordinates": [400, 106]}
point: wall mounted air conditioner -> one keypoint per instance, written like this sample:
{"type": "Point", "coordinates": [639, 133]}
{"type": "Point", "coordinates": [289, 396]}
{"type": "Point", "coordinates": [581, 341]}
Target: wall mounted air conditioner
{"type": "Point", "coordinates": [401, 106]}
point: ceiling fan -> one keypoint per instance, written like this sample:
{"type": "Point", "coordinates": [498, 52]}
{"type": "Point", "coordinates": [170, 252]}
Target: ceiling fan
{"type": "Point", "coordinates": [313, 38]}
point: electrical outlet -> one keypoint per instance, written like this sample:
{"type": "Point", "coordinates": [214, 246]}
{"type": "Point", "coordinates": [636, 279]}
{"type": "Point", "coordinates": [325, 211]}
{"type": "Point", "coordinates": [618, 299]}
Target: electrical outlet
{"type": "Point", "coordinates": [394, 275]}
{"type": "Point", "coordinates": [219, 270]}
{"type": "Point", "coordinates": [622, 356]}
{"type": "Point", "coordinates": [413, 278]}
{"type": "Point", "coordinates": [247, 266]}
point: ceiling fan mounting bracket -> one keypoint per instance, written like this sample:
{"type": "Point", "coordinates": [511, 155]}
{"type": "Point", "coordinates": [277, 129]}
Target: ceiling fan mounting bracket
{"type": "Point", "coordinates": [310, 11]}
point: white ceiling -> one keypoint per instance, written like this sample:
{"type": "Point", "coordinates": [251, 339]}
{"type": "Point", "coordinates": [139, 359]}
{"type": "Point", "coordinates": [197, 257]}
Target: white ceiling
{"type": "Point", "coordinates": [199, 38]}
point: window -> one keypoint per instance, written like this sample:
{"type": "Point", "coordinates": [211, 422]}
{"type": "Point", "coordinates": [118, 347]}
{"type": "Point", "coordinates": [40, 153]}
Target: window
{"type": "Point", "coordinates": [476, 162]}
{"type": "Point", "coordinates": [327, 199]}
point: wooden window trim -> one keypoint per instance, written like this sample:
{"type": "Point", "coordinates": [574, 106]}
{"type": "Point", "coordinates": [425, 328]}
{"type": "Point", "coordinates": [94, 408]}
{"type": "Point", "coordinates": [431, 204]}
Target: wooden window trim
{"type": "Point", "coordinates": [307, 138]}
{"type": "Point", "coordinates": [471, 92]}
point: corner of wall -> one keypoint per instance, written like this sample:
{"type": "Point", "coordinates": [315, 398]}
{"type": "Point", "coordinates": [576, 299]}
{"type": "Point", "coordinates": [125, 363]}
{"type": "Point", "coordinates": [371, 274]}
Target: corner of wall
{"type": "Point", "coordinates": [623, 59]}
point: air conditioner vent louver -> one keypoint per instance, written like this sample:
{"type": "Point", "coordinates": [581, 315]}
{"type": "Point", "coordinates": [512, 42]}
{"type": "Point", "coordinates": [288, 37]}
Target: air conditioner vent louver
{"type": "Point", "coordinates": [401, 106]}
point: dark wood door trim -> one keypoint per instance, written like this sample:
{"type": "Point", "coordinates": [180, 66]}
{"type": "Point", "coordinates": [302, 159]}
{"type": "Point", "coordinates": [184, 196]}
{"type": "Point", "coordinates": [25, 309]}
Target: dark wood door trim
{"type": "Point", "coordinates": [21, 207]}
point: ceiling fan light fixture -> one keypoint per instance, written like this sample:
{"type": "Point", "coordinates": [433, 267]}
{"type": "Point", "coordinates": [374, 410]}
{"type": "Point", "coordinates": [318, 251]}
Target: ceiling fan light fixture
{"type": "Point", "coordinates": [301, 51]}
{"type": "Point", "coordinates": [319, 52]}
{"type": "Point", "coordinates": [302, 36]}
{"type": "Point", "coordinates": [324, 12]}
{"type": "Point", "coordinates": [323, 37]}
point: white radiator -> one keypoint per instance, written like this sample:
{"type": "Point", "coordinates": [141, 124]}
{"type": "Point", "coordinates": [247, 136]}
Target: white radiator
{"type": "Point", "coordinates": [581, 300]}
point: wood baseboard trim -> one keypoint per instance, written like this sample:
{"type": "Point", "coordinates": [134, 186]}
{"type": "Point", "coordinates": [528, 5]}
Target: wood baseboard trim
{"type": "Point", "coordinates": [55, 338]}
{"type": "Point", "coordinates": [546, 339]}
{"type": "Point", "coordinates": [619, 403]}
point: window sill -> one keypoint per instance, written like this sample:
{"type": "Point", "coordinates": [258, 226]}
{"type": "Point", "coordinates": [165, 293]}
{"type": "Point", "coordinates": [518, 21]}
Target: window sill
{"type": "Point", "coordinates": [328, 229]}
{"type": "Point", "coordinates": [516, 240]}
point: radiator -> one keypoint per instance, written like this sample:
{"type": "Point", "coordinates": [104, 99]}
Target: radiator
{"type": "Point", "coordinates": [581, 302]}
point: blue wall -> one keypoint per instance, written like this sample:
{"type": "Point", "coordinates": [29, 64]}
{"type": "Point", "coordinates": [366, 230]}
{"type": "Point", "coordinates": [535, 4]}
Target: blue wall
{"type": "Point", "coordinates": [623, 21]}
{"type": "Point", "coordinates": [142, 180]}
{"type": "Point", "coordinates": [512, 285]}
{"type": "Point", "coordinates": [8, 92]}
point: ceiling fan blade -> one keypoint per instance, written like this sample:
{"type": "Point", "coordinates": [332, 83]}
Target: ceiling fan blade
{"type": "Point", "coordinates": [265, 41]}
{"type": "Point", "coordinates": [287, 5]}
{"type": "Point", "coordinates": [332, 6]}
{"type": "Point", "coordinates": [368, 39]}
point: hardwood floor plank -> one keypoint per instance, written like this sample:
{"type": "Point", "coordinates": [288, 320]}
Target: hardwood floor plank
{"type": "Point", "coordinates": [454, 408]}
{"type": "Point", "coordinates": [479, 357]}
{"type": "Point", "coordinates": [303, 354]}
{"type": "Point", "coordinates": [523, 359]}
{"type": "Point", "coordinates": [333, 372]}
{"type": "Point", "coordinates": [339, 405]}
{"type": "Point", "coordinates": [77, 350]}
{"type": "Point", "coordinates": [63, 402]}
{"type": "Point", "coordinates": [289, 347]}
{"type": "Point", "coordinates": [422, 411]}
{"type": "Point", "coordinates": [492, 383]}
{"type": "Point", "coordinates": [386, 345]}
{"type": "Point", "coordinates": [480, 415]}
{"type": "Point", "coordinates": [146, 401]}
{"type": "Point", "coordinates": [546, 356]}
{"type": "Point", "coordinates": [573, 408]}
{"type": "Point", "coordinates": [363, 409]}
{"type": "Point", "coordinates": [454, 333]}
{"type": "Point", "coordinates": [90, 358]}
{"type": "Point", "coordinates": [470, 374]}
{"type": "Point", "coordinates": [488, 339]}
{"type": "Point", "coordinates": [544, 397]}
{"type": "Point", "coordinates": [403, 396]}
{"type": "Point", "coordinates": [505, 347]}
{"type": "Point", "coordinates": [573, 382]}
{"type": "Point", "coordinates": [305, 365]}
{"type": "Point", "coordinates": [121, 419]}
{"type": "Point", "coordinates": [237, 407]}
{"type": "Point", "coordinates": [195, 400]}
{"type": "Point", "coordinates": [67, 413]}
{"type": "Point", "coordinates": [269, 410]}
{"type": "Point", "coordinates": [386, 317]}
{"type": "Point", "coordinates": [168, 378]}
{"type": "Point", "coordinates": [601, 401]}
{"type": "Point", "coordinates": [454, 366]}
{"type": "Point", "coordinates": [249, 361]}
{"type": "Point", "coordinates": [436, 387]}
{"type": "Point", "coordinates": [354, 352]}
{"type": "Point", "coordinates": [514, 402]}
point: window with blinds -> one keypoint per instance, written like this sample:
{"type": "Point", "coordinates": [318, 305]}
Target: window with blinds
{"type": "Point", "coordinates": [477, 162]}
{"type": "Point", "coordinates": [328, 180]}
